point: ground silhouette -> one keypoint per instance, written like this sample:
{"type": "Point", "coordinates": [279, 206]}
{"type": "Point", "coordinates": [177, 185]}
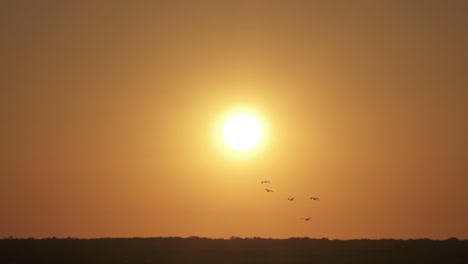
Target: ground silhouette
{"type": "Point", "coordinates": [234, 250]}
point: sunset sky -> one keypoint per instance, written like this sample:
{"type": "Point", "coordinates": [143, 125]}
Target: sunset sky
{"type": "Point", "coordinates": [110, 116]}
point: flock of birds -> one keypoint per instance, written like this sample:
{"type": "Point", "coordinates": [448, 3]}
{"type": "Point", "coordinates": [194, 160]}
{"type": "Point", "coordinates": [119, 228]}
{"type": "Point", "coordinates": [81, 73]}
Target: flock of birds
{"type": "Point", "coordinates": [291, 199]}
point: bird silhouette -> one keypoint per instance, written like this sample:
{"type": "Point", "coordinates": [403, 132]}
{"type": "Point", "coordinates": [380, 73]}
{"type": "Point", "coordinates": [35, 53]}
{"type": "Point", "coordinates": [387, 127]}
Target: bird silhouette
{"type": "Point", "coordinates": [291, 199]}
{"type": "Point", "coordinates": [266, 182]}
{"type": "Point", "coordinates": [306, 219]}
{"type": "Point", "coordinates": [268, 190]}
{"type": "Point", "coordinates": [314, 198]}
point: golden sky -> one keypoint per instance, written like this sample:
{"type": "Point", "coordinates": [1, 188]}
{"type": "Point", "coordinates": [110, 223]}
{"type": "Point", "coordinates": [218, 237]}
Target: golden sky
{"type": "Point", "coordinates": [109, 112]}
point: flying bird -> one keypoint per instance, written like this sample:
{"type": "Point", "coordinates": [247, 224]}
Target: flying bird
{"type": "Point", "coordinates": [306, 219]}
{"type": "Point", "coordinates": [268, 190]}
{"type": "Point", "coordinates": [291, 199]}
{"type": "Point", "coordinates": [266, 182]}
{"type": "Point", "coordinates": [314, 198]}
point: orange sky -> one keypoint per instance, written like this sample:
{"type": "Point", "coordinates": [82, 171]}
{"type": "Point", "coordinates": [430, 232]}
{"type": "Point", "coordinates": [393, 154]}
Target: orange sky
{"type": "Point", "coordinates": [108, 112]}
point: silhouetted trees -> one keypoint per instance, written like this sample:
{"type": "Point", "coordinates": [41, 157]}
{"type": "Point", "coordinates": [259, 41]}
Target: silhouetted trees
{"type": "Point", "coordinates": [196, 249]}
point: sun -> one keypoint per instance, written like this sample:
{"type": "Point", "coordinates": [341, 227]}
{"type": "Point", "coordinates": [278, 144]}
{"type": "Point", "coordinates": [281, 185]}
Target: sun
{"type": "Point", "coordinates": [242, 132]}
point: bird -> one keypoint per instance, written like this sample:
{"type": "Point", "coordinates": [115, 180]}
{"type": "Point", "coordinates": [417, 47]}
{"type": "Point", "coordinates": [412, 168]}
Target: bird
{"type": "Point", "coordinates": [268, 190]}
{"type": "Point", "coordinates": [314, 198]}
{"type": "Point", "coordinates": [306, 219]}
{"type": "Point", "coordinates": [266, 182]}
{"type": "Point", "coordinates": [291, 199]}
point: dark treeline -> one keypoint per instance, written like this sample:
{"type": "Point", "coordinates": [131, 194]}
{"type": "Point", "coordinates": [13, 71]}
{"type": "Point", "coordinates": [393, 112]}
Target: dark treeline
{"type": "Point", "coordinates": [234, 250]}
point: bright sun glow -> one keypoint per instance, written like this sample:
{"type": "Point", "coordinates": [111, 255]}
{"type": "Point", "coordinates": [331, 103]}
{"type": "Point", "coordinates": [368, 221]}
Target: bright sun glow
{"type": "Point", "coordinates": [242, 132]}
